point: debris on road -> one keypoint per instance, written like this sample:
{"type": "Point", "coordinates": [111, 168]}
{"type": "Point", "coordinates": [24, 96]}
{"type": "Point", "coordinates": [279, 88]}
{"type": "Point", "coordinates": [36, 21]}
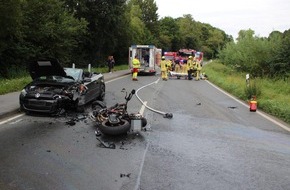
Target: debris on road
{"type": "Point", "coordinates": [232, 107]}
{"type": "Point", "coordinates": [104, 144]}
{"type": "Point", "coordinates": [71, 122]}
{"type": "Point", "coordinates": [125, 175]}
{"type": "Point", "coordinates": [98, 133]}
{"type": "Point", "coordinates": [75, 119]}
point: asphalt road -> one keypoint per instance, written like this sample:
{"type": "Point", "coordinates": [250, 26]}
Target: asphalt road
{"type": "Point", "coordinates": [212, 142]}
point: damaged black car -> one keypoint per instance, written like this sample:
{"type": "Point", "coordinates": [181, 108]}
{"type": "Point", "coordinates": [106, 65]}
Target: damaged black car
{"type": "Point", "coordinates": [55, 88]}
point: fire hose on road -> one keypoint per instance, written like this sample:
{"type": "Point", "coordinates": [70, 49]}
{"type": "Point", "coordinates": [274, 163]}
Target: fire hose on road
{"type": "Point", "coordinates": [165, 115]}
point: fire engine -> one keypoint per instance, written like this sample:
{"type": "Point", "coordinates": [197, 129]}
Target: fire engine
{"type": "Point", "coordinates": [149, 57]}
{"type": "Point", "coordinates": [185, 53]}
{"type": "Point", "coordinates": [170, 55]}
{"type": "Point", "coordinates": [182, 56]}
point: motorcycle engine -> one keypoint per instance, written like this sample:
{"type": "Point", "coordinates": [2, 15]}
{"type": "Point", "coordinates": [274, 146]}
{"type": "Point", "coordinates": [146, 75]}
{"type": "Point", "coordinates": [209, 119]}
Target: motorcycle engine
{"type": "Point", "coordinates": [113, 118]}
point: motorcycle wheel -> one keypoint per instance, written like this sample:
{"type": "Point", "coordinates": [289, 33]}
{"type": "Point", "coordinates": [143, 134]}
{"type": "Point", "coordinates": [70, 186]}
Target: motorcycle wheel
{"type": "Point", "coordinates": [122, 128]}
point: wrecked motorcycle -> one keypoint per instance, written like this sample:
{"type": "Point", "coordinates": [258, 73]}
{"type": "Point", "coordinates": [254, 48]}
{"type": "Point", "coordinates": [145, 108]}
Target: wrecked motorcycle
{"type": "Point", "coordinates": [116, 120]}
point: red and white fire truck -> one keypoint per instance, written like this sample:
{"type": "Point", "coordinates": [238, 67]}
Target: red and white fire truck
{"type": "Point", "coordinates": [169, 55]}
{"type": "Point", "coordinates": [182, 57]}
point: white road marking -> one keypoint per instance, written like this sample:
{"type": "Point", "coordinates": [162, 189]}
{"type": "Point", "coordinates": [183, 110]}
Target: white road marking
{"type": "Point", "coordinates": [14, 122]}
{"type": "Point", "coordinates": [12, 118]}
{"type": "Point", "coordinates": [143, 107]}
{"type": "Point", "coordinates": [246, 105]}
{"type": "Point", "coordinates": [141, 168]}
{"type": "Point", "coordinates": [116, 79]}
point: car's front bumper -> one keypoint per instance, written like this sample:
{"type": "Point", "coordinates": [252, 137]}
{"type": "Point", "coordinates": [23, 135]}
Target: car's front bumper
{"type": "Point", "coordinates": [43, 106]}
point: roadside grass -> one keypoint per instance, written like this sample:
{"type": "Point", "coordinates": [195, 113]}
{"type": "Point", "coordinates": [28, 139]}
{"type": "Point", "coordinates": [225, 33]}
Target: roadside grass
{"type": "Point", "coordinates": [273, 97]}
{"type": "Point", "coordinates": [13, 85]}
{"type": "Point", "coordinates": [17, 84]}
{"type": "Point", "coordinates": [106, 70]}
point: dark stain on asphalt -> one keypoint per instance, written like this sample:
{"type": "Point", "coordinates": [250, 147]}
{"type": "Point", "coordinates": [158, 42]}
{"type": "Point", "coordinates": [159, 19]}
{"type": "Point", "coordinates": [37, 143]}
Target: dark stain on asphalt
{"type": "Point", "coordinates": [125, 175]}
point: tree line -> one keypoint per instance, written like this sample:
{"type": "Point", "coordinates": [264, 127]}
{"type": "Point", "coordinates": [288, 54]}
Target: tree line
{"type": "Point", "coordinates": [260, 56]}
{"type": "Point", "coordinates": [88, 31]}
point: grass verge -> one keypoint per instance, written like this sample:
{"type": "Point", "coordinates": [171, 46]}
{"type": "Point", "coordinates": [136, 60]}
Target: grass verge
{"type": "Point", "coordinates": [273, 95]}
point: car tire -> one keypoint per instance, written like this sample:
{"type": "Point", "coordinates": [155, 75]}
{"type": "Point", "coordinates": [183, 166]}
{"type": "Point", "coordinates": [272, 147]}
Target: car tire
{"type": "Point", "coordinates": [99, 104]}
{"type": "Point", "coordinates": [120, 129]}
{"type": "Point", "coordinates": [102, 93]}
{"type": "Point", "coordinates": [80, 109]}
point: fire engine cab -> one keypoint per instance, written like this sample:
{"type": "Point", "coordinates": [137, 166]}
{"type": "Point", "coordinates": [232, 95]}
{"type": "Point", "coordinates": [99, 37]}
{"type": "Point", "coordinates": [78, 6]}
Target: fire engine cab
{"type": "Point", "coordinates": [148, 55]}
{"type": "Point", "coordinates": [170, 55]}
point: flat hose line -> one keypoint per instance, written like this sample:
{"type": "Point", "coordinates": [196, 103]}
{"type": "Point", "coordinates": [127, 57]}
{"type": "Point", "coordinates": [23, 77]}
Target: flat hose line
{"type": "Point", "coordinates": [165, 115]}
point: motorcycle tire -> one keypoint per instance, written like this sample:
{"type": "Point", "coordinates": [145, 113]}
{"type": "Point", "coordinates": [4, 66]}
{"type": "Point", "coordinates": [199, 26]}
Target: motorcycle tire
{"type": "Point", "coordinates": [122, 128]}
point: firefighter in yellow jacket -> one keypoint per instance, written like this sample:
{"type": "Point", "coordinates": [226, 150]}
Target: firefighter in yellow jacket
{"type": "Point", "coordinates": [198, 69]}
{"type": "Point", "coordinates": [189, 68]}
{"type": "Point", "coordinates": [136, 66]}
{"type": "Point", "coordinates": [163, 67]}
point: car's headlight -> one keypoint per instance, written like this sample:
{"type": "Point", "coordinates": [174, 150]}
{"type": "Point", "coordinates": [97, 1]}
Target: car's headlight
{"type": "Point", "coordinates": [23, 92]}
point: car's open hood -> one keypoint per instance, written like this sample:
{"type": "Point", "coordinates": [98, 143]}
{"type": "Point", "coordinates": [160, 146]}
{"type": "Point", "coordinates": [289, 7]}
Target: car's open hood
{"type": "Point", "coordinates": [45, 67]}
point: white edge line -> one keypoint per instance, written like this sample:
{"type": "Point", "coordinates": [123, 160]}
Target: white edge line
{"type": "Point", "coordinates": [115, 79]}
{"type": "Point", "coordinates": [260, 113]}
{"type": "Point", "coordinates": [10, 119]}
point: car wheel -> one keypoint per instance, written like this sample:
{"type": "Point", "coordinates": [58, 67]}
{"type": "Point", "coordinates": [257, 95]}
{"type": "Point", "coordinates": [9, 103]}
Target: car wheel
{"type": "Point", "coordinates": [102, 93]}
{"type": "Point", "coordinates": [80, 108]}
{"type": "Point", "coordinates": [23, 110]}
{"type": "Point", "coordinates": [99, 104]}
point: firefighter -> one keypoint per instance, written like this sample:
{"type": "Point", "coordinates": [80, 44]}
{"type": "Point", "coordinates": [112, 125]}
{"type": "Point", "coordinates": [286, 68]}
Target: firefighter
{"type": "Point", "coordinates": [136, 66]}
{"type": "Point", "coordinates": [194, 67]}
{"type": "Point", "coordinates": [198, 69]}
{"type": "Point", "coordinates": [189, 68]}
{"type": "Point", "coordinates": [163, 67]}
{"type": "Point", "coordinates": [169, 65]}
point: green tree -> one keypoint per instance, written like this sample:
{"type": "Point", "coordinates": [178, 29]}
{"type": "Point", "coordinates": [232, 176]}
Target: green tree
{"type": "Point", "coordinates": [280, 61]}
{"type": "Point", "coordinates": [49, 30]}
{"type": "Point", "coordinates": [136, 26]}
{"type": "Point", "coordinates": [107, 26]}
{"type": "Point", "coordinates": [150, 16]}
{"type": "Point", "coordinates": [144, 17]}
{"type": "Point", "coordinates": [169, 34]}
{"type": "Point", "coordinates": [189, 31]}
{"type": "Point", "coordinates": [215, 41]}
{"type": "Point", "coordinates": [10, 21]}
{"type": "Point", "coordinates": [258, 56]}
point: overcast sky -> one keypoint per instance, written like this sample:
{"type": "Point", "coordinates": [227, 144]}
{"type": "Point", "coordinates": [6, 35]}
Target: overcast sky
{"type": "Point", "coordinates": [231, 16]}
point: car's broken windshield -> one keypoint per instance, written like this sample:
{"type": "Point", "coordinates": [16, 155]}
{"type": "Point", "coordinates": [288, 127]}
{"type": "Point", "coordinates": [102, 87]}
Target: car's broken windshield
{"type": "Point", "coordinates": [75, 73]}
